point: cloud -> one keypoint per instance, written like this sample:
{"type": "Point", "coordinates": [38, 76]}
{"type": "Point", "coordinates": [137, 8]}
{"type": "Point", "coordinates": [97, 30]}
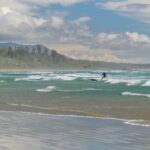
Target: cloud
{"type": "Point", "coordinates": [9, 17]}
{"type": "Point", "coordinates": [24, 14]}
{"type": "Point", "coordinates": [57, 22]}
{"type": "Point", "coordinates": [126, 45]}
{"type": "Point", "coordinates": [117, 47]}
{"type": "Point", "coordinates": [26, 11]}
{"type": "Point", "coordinates": [5, 10]}
{"type": "Point", "coordinates": [22, 22]}
{"type": "Point", "coordinates": [135, 9]}
{"type": "Point", "coordinates": [122, 41]}
{"type": "Point", "coordinates": [82, 20]}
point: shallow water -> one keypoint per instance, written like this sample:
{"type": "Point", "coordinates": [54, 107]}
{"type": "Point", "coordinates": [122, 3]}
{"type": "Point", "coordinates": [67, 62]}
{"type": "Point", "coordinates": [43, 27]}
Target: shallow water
{"type": "Point", "coordinates": [123, 94]}
{"type": "Point", "coordinates": [21, 131]}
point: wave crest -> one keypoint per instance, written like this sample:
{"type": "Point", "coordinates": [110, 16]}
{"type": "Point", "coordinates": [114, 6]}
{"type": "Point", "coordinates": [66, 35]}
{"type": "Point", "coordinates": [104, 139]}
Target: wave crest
{"type": "Point", "coordinates": [135, 94]}
{"type": "Point", "coordinates": [128, 82]}
{"type": "Point", "coordinates": [47, 89]}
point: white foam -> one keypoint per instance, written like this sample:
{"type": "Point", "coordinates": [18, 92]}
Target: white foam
{"type": "Point", "coordinates": [126, 81]}
{"type": "Point", "coordinates": [58, 77]}
{"type": "Point", "coordinates": [47, 89]}
{"type": "Point", "coordinates": [47, 77]}
{"type": "Point", "coordinates": [30, 78]}
{"type": "Point", "coordinates": [135, 94]}
{"type": "Point", "coordinates": [146, 83]}
{"type": "Point", "coordinates": [142, 123]}
{"type": "Point", "coordinates": [1, 81]}
{"type": "Point", "coordinates": [25, 105]}
{"type": "Point", "coordinates": [12, 104]}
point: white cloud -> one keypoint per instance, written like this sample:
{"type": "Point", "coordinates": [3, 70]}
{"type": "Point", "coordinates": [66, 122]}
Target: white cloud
{"type": "Point", "coordinates": [57, 22]}
{"type": "Point", "coordinates": [23, 14]}
{"type": "Point", "coordinates": [138, 38]}
{"type": "Point", "coordinates": [15, 5]}
{"type": "Point", "coordinates": [20, 22]}
{"type": "Point", "coordinates": [119, 47]}
{"type": "Point", "coordinates": [15, 19]}
{"type": "Point", "coordinates": [136, 9]}
{"type": "Point", "coordinates": [17, 12]}
{"type": "Point", "coordinates": [82, 20]}
{"type": "Point", "coordinates": [128, 38]}
{"type": "Point", "coordinates": [5, 10]}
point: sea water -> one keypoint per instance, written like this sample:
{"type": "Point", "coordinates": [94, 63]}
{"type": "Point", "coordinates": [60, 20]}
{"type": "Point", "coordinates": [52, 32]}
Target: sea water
{"type": "Point", "coordinates": [122, 94]}
{"type": "Point", "coordinates": [108, 114]}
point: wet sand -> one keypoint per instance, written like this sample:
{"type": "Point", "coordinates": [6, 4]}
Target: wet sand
{"type": "Point", "coordinates": [122, 113]}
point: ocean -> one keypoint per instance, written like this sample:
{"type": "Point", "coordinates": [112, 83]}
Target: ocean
{"type": "Point", "coordinates": [68, 110]}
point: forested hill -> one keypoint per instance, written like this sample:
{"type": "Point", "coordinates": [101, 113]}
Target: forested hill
{"type": "Point", "coordinates": [30, 56]}
{"type": "Point", "coordinates": [17, 56]}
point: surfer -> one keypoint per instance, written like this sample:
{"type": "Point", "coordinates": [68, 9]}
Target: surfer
{"type": "Point", "coordinates": [103, 75]}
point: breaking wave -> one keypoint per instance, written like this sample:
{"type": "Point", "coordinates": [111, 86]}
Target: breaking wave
{"type": "Point", "coordinates": [46, 78]}
{"type": "Point", "coordinates": [127, 78]}
{"type": "Point", "coordinates": [146, 83]}
{"type": "Point", "coordinates": [47, 89]}
{"type": "Point", "coordinates": [135, 94]}
{"type": "Point", "coordinates": [29, 78]}
{"type": "Point", "coordinates": [128, 82]}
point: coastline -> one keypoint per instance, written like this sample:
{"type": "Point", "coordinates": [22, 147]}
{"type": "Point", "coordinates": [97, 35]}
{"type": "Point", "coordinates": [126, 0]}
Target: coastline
{"type": "Point", "coordinates": [72, 103]}
{"type": "Point", "coordinates": [77, 114]}
{"type": "Point", "coordinates": [62, 111]}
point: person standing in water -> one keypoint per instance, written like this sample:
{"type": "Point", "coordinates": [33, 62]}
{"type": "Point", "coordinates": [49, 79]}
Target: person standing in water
{"type": "Point", "coordinates": [103, 75]}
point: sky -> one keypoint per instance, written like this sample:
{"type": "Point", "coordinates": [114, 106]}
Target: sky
{"type": "Point", "coordinates": [103, 30]}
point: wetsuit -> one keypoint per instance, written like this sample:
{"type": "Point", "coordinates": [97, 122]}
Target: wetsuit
{"type": "Point", "coordinates": [103, 75]}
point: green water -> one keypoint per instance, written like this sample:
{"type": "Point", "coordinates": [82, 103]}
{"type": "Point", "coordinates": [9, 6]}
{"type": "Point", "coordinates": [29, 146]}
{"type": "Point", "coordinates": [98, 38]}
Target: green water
{"type": "Point", "coordinates": [122, 94]}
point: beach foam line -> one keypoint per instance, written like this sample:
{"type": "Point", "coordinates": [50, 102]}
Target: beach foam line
{"type": "Point", "coordinates": [47, 89]}
{"type": "Point", "coordinates": [135, 94]}
{"type": "Point", "coordinates": [140, 123]}
{"type": "Point", "coordinates": [88, 115]}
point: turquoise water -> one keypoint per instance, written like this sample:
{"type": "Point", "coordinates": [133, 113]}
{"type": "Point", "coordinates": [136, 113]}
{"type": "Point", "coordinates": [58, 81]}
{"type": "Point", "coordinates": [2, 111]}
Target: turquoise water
{"type": "Point", "coordinates": [123, 94]}
{"type": "Point", "coordinates": [110, 114]}
{"type": "Point", "coordinates": [21, 131]}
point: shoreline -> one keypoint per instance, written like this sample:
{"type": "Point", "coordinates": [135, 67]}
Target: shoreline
{"type": "Point", "coordinates": [76, 113]}
{"type": "Point", "coordinates": [131, 122]}
{"type": "Point", "coordinates": [15, 96]}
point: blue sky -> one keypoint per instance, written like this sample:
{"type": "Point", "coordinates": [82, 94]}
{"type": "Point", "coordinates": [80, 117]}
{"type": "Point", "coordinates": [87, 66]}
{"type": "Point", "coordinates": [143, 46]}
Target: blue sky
{"type": "Point", "coordinates": [106, 30]}
{"type": "Point", "coordinates": [103, 20]}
